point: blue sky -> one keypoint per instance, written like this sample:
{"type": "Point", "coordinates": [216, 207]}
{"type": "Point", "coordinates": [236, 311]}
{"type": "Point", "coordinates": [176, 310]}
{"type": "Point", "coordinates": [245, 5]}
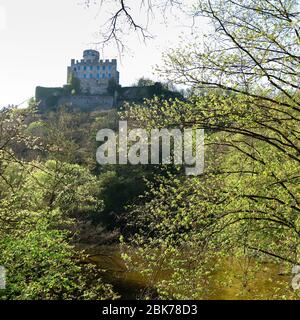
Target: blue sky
{"type": "Point", "coordinates": [38, 38]}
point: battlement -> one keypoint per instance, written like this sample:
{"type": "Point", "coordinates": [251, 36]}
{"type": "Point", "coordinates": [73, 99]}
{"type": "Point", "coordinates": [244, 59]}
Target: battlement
{"type": "Point", "coordinates": [108, 61]}
{"type": "Point", "coordinates": [84, 62]}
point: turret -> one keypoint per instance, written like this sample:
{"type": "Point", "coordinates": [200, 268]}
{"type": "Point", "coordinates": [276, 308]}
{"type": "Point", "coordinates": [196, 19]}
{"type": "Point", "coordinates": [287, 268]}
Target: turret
{"type": "Point", "coordinates": [91, 56]}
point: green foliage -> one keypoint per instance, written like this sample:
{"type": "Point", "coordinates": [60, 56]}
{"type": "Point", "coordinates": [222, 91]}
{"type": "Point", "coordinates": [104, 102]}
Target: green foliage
{"type": "Point", "coordinates": [241, 214]}
{"type": "Point", "coordinates": [144, 82]}
{"type": "Point", "coordinates": [34, 240]}
{"type": "Point", "coordinates": [246, 204]}
{"type": "Point", "coordinates": [41, 265]}
{"type": "Point", "coordinates": [119, 187]}
{"type": "Point", "coordinates": [41, 204]}
{"type": "Point", "coordinates": [246, 201]}
{"type": "Point", "coordinates": [74, 85]}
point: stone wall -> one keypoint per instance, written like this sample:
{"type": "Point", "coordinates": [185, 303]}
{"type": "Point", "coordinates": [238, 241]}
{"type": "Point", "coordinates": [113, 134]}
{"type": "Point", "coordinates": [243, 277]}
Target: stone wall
{"type": "Point", "coordinates": [93, 86]}
{"type": "Point", "coordinates": [84, 102]}
{"type": "Point", "coordinates": [49, 99]}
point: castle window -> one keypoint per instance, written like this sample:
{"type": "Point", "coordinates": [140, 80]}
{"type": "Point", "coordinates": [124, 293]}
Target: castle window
{"type": "Point", "coordinates": [98, 67]}
{"type": "Point", "coordinates": [84, 68]}
{"type": "Point", "coordinates": [103, 68]}
{"type": "Point", "coordinates": [109, 67]}
{"type": "Point", "coordinates": [91, 67]}
{"type": "Point", "coordinates": [91, 75]}
{"type": "Point", "coordinates": [109, 75]}
{"type": "Point", "coordinates": [75, 69]}
{"type": "Point", "coordinates": [98, 75]}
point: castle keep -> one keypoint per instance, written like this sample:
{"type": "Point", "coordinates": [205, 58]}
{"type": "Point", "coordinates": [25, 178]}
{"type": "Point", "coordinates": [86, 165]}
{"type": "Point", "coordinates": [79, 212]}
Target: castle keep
{"type": "Point", "coordinates": [93, 74]}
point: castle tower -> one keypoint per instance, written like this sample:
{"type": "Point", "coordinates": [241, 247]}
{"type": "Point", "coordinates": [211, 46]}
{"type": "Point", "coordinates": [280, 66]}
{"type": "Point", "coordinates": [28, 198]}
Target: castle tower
{"type": "Point", "coordinates": [91, 56]}
{"type": "Point", "coordinates": [94, 74]}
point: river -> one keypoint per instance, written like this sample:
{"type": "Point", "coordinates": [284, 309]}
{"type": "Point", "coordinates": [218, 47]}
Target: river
{"type": "Point", "coordinates": [269, 282]}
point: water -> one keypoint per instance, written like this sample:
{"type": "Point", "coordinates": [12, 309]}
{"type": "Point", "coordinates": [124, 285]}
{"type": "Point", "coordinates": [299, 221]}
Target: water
{"type": "Point", "coordinates": [268, 282]}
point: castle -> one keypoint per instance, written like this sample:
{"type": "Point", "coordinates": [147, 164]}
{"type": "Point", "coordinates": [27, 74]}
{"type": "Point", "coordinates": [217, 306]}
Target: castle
{"type": "Point", "coordinates": [93, 84]}
{"type": "Point", "coordinates": [93, 74]}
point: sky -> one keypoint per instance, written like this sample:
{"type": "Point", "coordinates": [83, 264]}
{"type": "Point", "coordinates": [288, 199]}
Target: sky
{"type": "Point", "coordinates": [38, 39]}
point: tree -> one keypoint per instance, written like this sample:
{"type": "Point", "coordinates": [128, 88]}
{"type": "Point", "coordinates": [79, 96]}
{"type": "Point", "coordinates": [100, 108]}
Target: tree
{"type": "Point", "coordinates": [144, 82]}
{"type": "Point", "coordinates": [125, 19]}
{"type": "Point", "coordinates": [245, 79]}
{"type": "Point", "coordinates": [38, 206]}
{"type": "Point", "coordinates": [74, 85]}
